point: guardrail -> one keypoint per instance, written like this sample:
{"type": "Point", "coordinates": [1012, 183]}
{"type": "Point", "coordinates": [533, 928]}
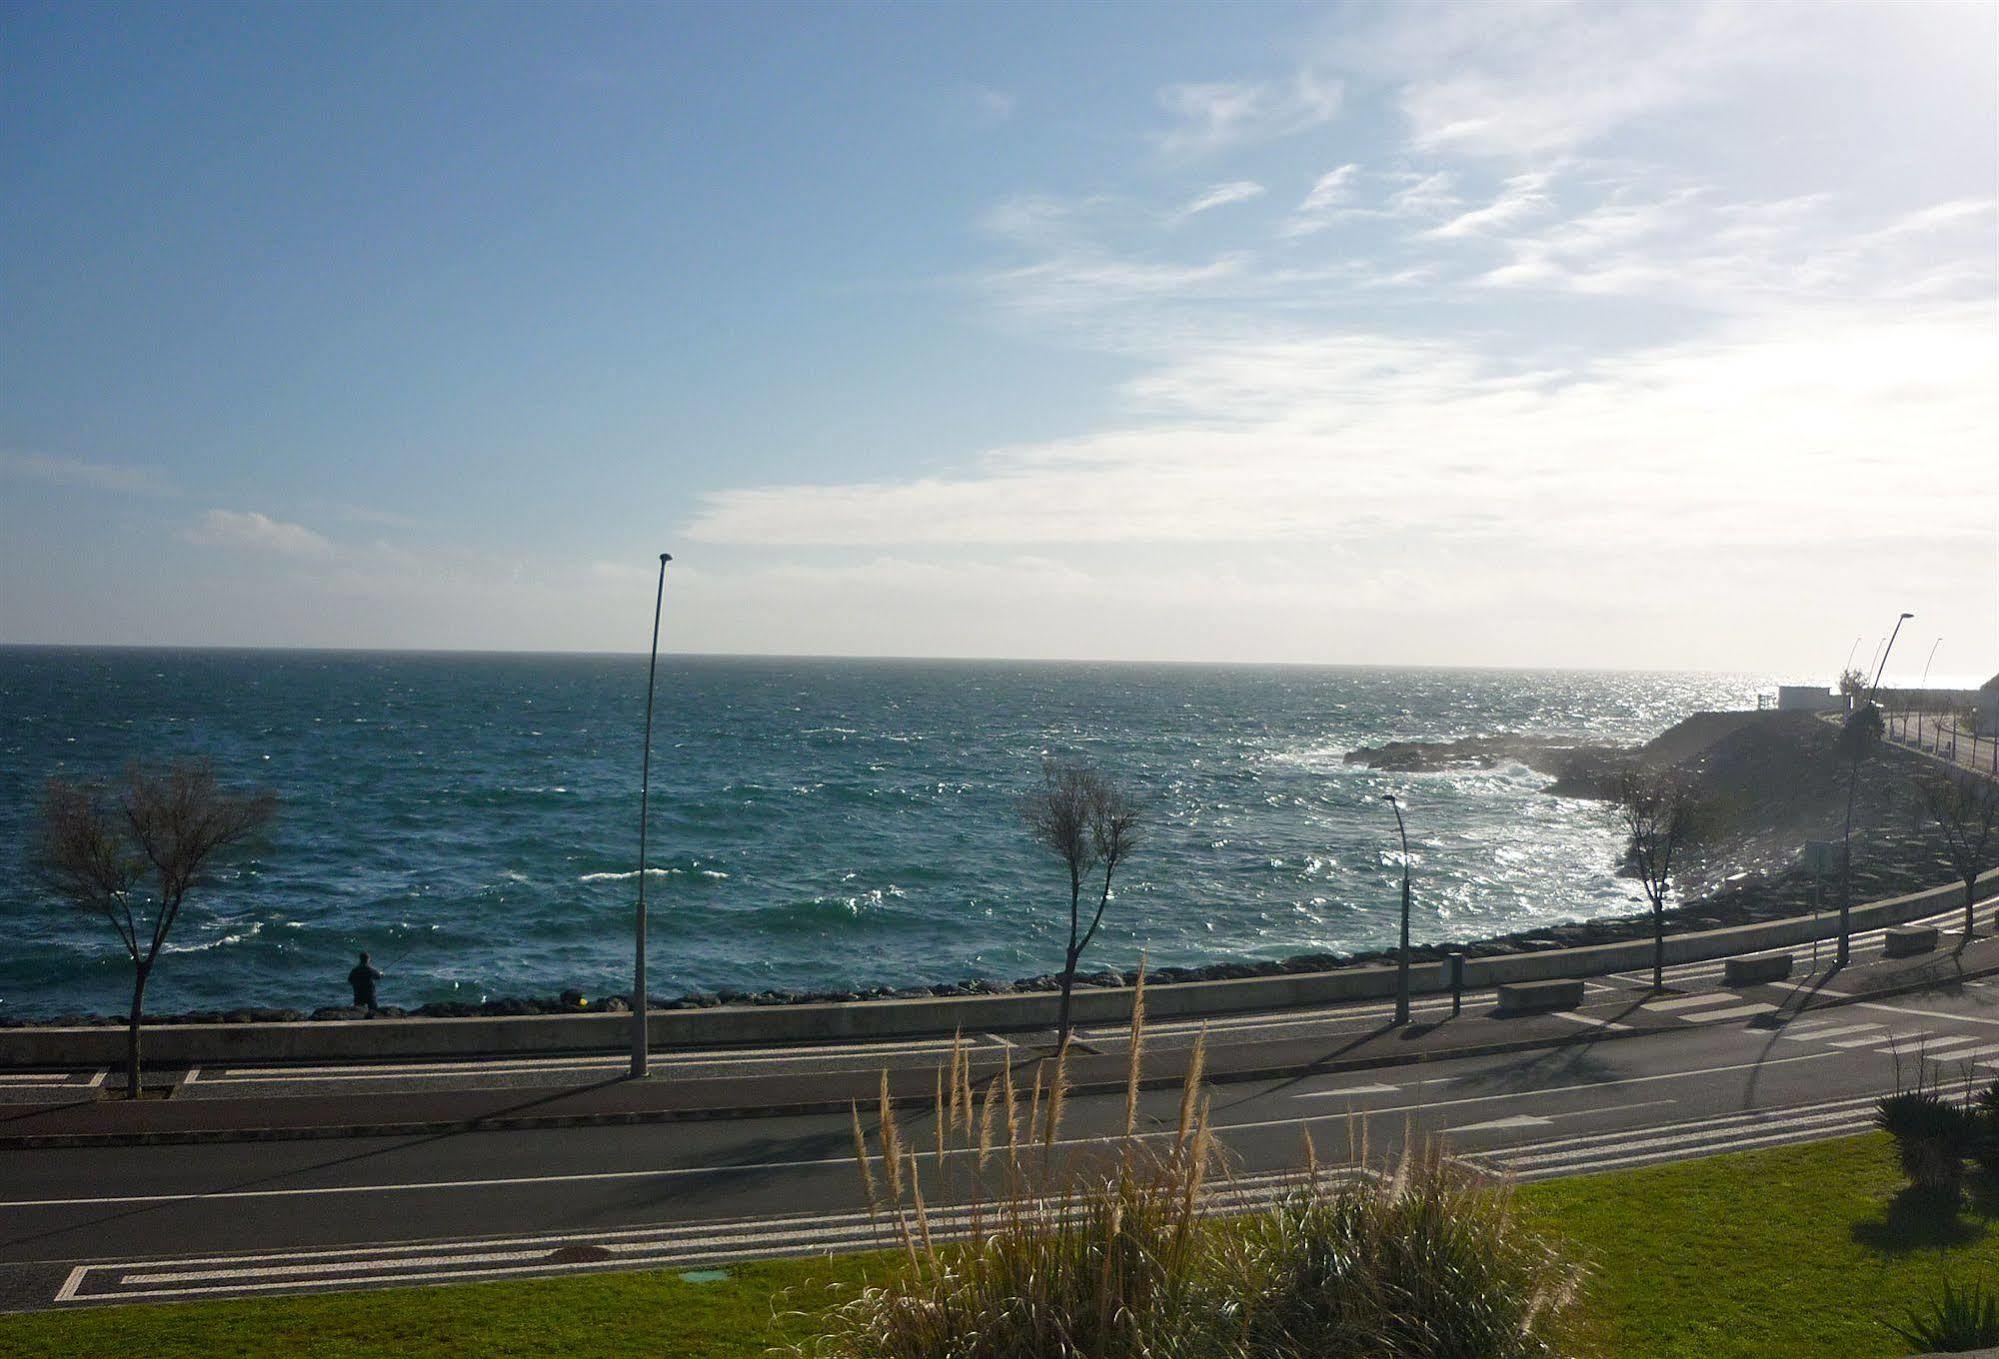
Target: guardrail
{"type": "Point", "coordinates": [747, 1025]}
{"type": "Point", "coordinates": [1941, 736]}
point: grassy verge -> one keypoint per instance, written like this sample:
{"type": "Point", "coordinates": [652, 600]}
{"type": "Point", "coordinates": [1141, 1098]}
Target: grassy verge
{"type": "Point", "coordinates": [1799, 1251]}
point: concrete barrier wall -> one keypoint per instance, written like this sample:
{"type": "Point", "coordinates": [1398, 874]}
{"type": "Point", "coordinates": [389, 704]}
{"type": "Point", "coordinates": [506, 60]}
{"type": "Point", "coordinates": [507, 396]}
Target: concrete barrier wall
{"type": "Point", "coordinates": [746, 1025]}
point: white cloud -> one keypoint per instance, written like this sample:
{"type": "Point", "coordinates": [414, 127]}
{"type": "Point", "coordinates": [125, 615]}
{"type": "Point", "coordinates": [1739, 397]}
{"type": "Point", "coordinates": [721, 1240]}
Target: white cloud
{"type": "Point", "coordinates": [250, 531]}
{"type": "Point", "coordinates": [1329, 192]}
{"type": "Point", "coordinates": [84, 475]}
{"type": "Point", "coordinates": [1520, 198]}
{"type": "Point", "coordinates": [1535, 79]}
{"type": "Point", "coordinates": [1221, 196]}
{"type": "Point", "coordinates": [1212, 117]}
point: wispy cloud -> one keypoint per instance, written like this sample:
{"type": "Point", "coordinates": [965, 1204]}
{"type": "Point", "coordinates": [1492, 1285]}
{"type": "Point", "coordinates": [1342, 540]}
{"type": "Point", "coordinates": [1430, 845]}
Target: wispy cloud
{"type": "Point", "coordinates": [1329, 193]}
{"type": "Point", "coordinates": [248, 530]}
{"type": "Point", "coordinates": [1221, 196]}
{"type": "Point", "coordinates": [1212, 117]}
{"type": "Point", "coordinates": [1521, 197]}
{"type": "Point", "coordinates": [117, 478]}
{"type": "Point", "coordinates": [1520, 80]}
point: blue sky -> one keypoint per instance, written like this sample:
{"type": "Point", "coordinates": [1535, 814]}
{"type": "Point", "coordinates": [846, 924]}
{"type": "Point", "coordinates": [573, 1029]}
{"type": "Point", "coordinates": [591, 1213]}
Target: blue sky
{"type": "Point", "coordinates": [1488, 334]}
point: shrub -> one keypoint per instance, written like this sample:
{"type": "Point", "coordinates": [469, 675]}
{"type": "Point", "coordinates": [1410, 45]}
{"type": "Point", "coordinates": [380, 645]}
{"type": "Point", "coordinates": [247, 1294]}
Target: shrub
{"type": "Point", "coordinates": [1108, 1253]}
{"type": "Point", "coordinates": [1429, 1261]}
{"type": "Point", "coordinates": [1952, 1321]}
{"type": "Point", "coordinates": [1932, 1137]}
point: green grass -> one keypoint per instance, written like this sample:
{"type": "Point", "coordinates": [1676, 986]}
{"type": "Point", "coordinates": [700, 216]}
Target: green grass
{"type": "Point", "coordinates": [1795, 1252]}
{"type": "Point", "coordinates": [1800, 1251]}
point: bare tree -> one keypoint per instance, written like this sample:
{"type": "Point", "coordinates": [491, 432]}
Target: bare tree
{"type": "Point", "coordinates": [132, 853]}
{"type": "Point", "coordinates": [1085, 820]}
{"type": "Point", "coordinates": [1853, 684]}
{"type": "Point", "coordinates": [1966, 809]}
{"type": "Point", "coordinates": [1661, 815]}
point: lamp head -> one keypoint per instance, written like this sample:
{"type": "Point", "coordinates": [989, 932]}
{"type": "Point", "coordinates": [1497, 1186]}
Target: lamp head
{"type": "Point", "coordinates": [665, 557]}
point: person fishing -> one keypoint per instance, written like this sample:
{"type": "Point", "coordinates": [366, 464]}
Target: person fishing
{"type": "Point", "coordinates": [363, 979]}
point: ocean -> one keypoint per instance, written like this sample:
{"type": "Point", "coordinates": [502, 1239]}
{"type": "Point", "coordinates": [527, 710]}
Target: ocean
{"type": "Point", "coordinates": [817, 823]}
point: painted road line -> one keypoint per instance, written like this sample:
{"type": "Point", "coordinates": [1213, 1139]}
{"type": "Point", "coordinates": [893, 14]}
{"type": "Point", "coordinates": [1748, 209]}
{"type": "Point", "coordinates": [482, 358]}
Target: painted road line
{"type": "Point", "coordinates": [1529, 1094]}
{"type": "Point", "coordinates": [1977, 1054]}
{"type": "Point", "coordinates": [1746, 1141]}
{"type": "Point", "coordinates": [1940, 1050]}
{"type": "Point", "coordinates": [1924, 1014]}
{"type": "Point", "coordinates": [1346, 1091]}
{"type": "Point", "coordinates": [428, 1262]}
{"type": "Point", "coordinates": [1732, 1012]}
{"type": "Point", "coordinates": [758, 1167]}
{"type": "Point", "coordinates": [1683, 1002]}
{"type": "Point", "coordinates": [1837, 1031]}
{"type": "Point", "coordinates": [1867, 1040]}
{"type": "Point", "coordinates": [1715, 1123]}
{"type": "Point", "coordinates": [1542, 1120]}
{"type": "Point", "coordinates": [1605, 1148]}
{"type": "Point", "coordinates": [1591, 1020]}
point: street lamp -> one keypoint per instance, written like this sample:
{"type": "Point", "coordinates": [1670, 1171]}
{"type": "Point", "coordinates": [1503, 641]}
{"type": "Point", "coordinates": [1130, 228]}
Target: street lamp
{"type": "Point", "coordinates": [645, 789]}
{"type": "Point", "coordinates": [1402, 958]}
{"type": "Point", "coordinates": [1855, 735]}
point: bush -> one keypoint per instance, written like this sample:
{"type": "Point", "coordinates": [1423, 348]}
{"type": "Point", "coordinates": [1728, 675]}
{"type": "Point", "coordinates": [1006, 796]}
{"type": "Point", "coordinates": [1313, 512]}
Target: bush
{"type": "Point", "coordinates": [1108, 1254]}
{"type": "Point", "coordinates": [1953, 1321]}
{"type": "Point", "coordinates": [1431, 1261]}
{"type": "Point", "coordinates": [1932, 1137]}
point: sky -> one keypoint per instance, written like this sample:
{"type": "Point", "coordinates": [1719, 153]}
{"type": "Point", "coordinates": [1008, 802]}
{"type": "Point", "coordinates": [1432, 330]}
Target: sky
{"type": "Point", "coordinates": [1538, 334]}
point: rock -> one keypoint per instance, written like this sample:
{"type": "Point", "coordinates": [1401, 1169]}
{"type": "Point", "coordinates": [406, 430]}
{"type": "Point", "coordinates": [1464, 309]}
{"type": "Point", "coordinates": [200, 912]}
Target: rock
{"type": "Point", "coordinates": [573, 999]}
{"type": "Point", "coordinates": [339, 1012]}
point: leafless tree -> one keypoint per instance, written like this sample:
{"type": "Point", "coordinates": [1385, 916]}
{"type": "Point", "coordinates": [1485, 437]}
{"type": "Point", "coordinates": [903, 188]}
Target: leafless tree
{"type": "Point", "coordinates": [1661, 815]}
{"type": "Point", "coordinates": [1853, 684]}
{"type": "Point", "coordinates": [132, 852]}
{"type": "Point", "coordinates": [1966, 809]}
{"type": "Point", "coordinates": [1084, 819]}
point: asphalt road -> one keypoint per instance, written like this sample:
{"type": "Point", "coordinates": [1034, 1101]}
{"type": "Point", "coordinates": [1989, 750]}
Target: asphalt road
{"type": "Point", "coordinates": [79, 1226]}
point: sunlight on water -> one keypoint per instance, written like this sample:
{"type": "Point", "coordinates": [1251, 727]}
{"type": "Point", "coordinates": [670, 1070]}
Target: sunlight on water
{"type": "Point", "coordinates": [819, 824]}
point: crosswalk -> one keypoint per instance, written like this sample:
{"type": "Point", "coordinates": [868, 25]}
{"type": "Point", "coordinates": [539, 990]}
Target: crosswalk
{"type": "Point", "coordinates": [1940, 1046]}
{"type": "Point", "coordinates": [1713, 969]}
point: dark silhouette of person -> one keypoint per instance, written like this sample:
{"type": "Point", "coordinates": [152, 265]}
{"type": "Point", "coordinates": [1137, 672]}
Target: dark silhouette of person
{"type": "Point", "coordinates": [363, 979]}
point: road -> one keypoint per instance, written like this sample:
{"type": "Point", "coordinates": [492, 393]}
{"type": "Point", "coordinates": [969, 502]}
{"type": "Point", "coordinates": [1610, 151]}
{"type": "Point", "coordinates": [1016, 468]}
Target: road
{"type": "Point", "coordinates": [80, 1226]}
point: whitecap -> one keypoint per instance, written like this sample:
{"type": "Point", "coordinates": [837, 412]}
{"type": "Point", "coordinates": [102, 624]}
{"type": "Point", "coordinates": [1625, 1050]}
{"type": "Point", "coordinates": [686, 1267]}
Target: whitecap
{"type": "Point", "coordinates": [625, 876]}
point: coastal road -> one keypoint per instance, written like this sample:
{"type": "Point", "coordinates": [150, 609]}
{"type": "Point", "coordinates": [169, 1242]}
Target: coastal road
{"type": "Point", "coordinates": [107, 1224]}
{"type": "Point", "coordinates": [1330, 1023]}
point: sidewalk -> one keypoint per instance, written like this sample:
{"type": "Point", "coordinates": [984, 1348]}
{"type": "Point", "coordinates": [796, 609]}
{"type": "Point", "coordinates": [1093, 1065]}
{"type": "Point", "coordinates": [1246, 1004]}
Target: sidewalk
{"type": "Point", "coordinates": [1270, 1046]}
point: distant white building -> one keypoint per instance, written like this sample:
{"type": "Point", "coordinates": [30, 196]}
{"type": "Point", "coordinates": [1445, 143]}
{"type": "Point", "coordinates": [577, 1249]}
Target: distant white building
{"type": "Point", "coordinates": [1807, 698]}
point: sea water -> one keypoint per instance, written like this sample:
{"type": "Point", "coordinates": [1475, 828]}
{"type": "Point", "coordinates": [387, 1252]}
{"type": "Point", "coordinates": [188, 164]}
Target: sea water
{"type": "Point", "coordinates": [817, 824]}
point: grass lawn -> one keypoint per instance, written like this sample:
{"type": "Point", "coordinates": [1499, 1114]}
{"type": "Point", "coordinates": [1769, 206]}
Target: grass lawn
{"type": "Point", "coordinates": [1799, 1251]}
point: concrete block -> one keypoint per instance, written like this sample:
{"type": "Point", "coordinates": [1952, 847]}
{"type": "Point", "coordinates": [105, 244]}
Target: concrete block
{"type": "Point", "coordinates": [1538, 997]}
{"type": "Point", "coordinates": [1760, 967]}
{"type": "Point", "coordinates": [1906, 941]}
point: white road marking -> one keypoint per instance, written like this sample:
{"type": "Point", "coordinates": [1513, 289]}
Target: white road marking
{"type": "Point", "coordinates": [1924, 1014]}
{"type": "Point", "coordinates": [1821, 1035]}
{"type": "Point", "coordinates": [1591, 1020]}
{"type": "Point", "coordinates": [1537, 1120]}
{"type": "Point", "coordinates": [1682, 1002]}
{"type": "Point", "coordinates": [1376, 1089]}
{"type": "Point", "coordinates": [749, 1167]}
{"type": "Point", "coordinates": [1867, 1040]}
{"type": "Point", "coordinates": [1732, 1012]}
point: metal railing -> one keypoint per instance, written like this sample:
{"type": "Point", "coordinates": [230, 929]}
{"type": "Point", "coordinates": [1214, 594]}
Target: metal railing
{"type": "Point", "coordinates": [1940, 734]}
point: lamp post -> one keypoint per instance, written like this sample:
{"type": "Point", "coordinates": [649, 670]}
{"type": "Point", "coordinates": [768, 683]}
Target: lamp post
{"type": "Point", "coordinates": [639, 1043]}
{"type": "Point", "coordinates": [1402, 957]}
{"type": "Point", "coordinates": [1856, 735]}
